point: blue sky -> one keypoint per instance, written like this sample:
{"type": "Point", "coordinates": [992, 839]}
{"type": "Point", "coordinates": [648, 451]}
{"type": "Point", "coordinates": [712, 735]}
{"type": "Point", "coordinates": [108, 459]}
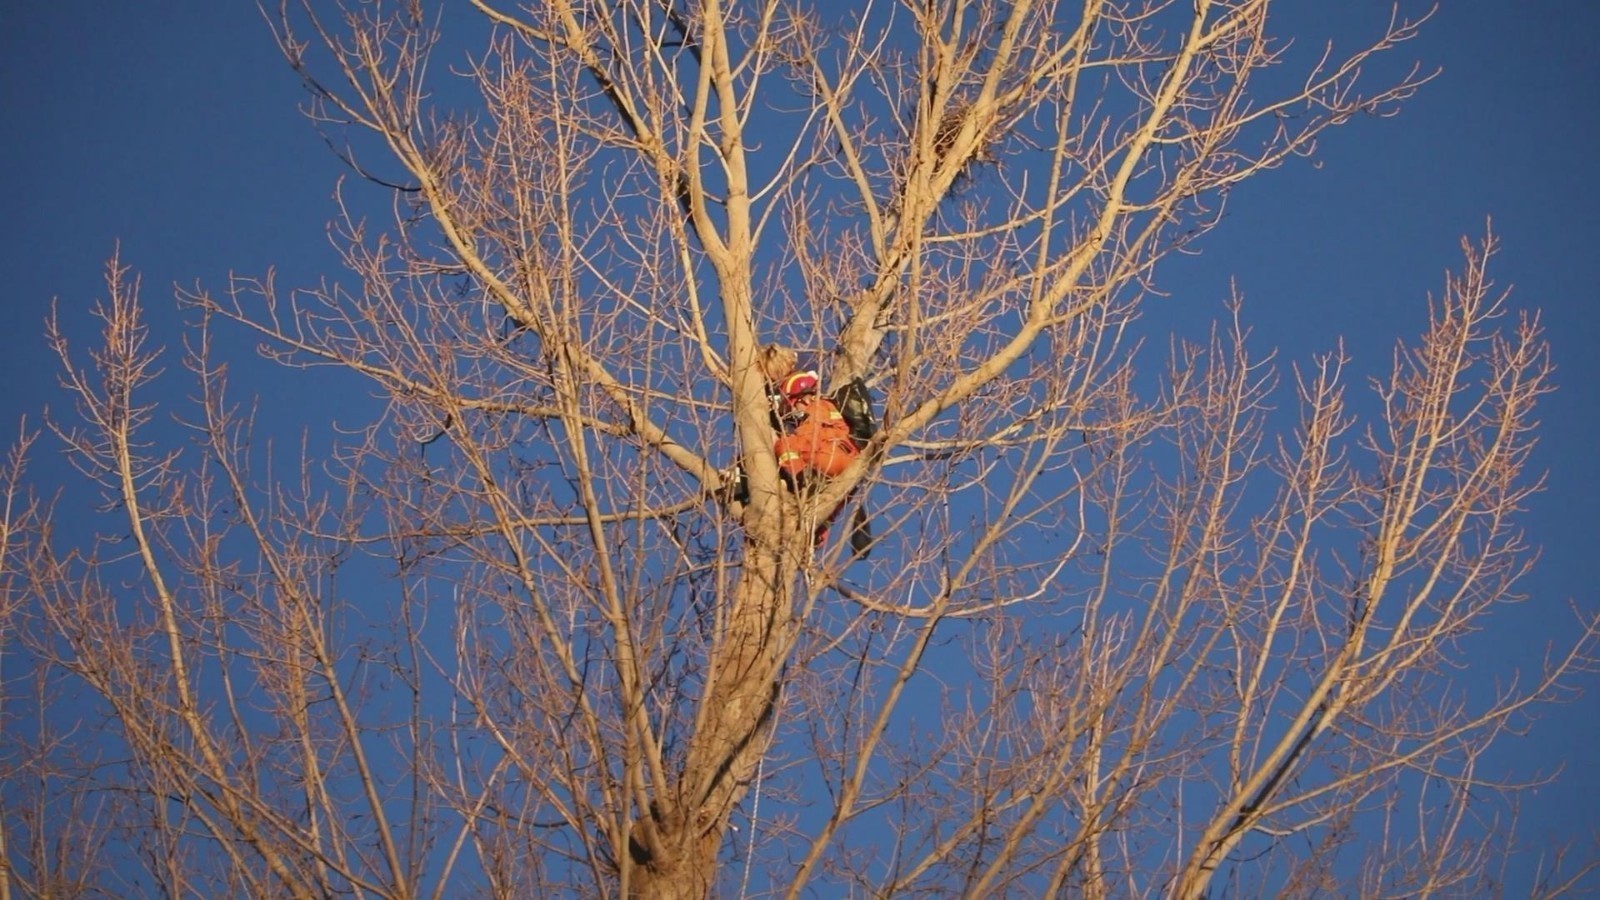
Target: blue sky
{"type": "Point", "coordinates": [172, 127]}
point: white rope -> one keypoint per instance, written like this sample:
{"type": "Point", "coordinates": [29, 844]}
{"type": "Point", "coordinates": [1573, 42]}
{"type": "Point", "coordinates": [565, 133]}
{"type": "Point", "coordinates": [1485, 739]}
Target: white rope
{"type": "Point", "coordinates": [755, 810]}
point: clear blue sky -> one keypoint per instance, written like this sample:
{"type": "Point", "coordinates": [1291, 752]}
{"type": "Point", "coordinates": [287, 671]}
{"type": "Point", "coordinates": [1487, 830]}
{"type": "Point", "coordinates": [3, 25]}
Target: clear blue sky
{"type": "Point", "coordinates": [172, 127]}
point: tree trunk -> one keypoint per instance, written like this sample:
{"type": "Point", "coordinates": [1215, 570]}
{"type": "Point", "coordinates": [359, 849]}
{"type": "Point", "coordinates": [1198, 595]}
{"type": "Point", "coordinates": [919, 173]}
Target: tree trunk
{"type": "Point", "coordinates": [674, 848]}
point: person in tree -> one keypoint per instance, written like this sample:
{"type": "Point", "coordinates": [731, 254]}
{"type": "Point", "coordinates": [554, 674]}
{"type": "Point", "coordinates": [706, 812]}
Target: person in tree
{"type": "Point", "coordinates": [818, 436]}
{"type": "Point", "coordinates": [816, 439]}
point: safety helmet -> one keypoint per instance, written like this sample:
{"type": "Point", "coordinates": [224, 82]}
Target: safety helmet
{"type": "Point", "coordinates": [799, 384]}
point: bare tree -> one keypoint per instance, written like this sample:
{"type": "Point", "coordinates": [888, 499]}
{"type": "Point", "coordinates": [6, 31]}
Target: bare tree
{"type": "Point", "coordinates": [1120, 634]}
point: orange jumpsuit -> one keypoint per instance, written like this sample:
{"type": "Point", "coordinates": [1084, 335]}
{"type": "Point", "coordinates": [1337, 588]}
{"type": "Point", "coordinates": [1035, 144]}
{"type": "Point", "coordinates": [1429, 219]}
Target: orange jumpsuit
{"type": "Point", "coordinates": [819, 442]}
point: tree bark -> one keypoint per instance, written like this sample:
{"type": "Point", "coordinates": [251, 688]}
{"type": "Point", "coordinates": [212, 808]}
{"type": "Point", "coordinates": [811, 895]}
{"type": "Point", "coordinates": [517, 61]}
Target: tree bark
{"type": "Point", "coordinates": [674, 845]}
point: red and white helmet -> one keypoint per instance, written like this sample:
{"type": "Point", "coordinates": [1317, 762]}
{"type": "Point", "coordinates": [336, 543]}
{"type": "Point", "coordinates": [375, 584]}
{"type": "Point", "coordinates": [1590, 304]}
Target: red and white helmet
{"type": "Point", "coordinates": [798, 385]}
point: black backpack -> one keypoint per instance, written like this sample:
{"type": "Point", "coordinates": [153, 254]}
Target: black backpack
{"type": "Point", "coordinates": [855, 404]}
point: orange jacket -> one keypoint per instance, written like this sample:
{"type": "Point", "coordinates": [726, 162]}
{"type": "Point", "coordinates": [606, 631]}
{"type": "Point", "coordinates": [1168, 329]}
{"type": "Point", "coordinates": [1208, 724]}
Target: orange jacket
{"type": "Point", "coordinates": [819, 441]}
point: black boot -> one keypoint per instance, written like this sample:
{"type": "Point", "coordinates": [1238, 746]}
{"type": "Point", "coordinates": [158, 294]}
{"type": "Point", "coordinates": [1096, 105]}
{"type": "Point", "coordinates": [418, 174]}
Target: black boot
{"type": "Point", "coordinates": [860, 534]}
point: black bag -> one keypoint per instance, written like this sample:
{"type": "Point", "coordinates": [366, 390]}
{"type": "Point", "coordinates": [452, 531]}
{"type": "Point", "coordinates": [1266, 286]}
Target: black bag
{"type": "Point", "coordinates": [855, 404]}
